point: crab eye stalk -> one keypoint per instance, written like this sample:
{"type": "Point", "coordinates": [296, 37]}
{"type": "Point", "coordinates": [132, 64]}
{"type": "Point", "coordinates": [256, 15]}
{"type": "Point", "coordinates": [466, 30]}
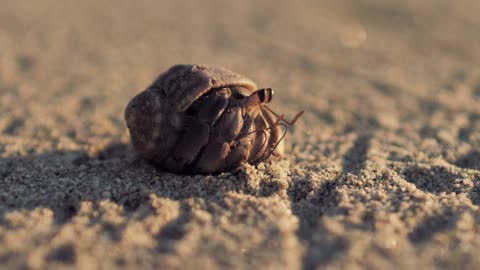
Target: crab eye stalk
{"type": "Point", "coordinates": [258, 97]}
{"type": "Point", "coordinates": [267, 95]}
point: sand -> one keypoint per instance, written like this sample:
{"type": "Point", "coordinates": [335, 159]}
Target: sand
{"type": "Point", "coordinates": [382, 171]}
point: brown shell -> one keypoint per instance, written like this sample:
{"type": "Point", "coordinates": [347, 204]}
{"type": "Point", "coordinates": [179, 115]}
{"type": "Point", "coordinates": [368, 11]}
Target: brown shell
{"type": "Point", "coordinates": [183, 84]}
{"type": "Point", "coordinates": [193, 119]}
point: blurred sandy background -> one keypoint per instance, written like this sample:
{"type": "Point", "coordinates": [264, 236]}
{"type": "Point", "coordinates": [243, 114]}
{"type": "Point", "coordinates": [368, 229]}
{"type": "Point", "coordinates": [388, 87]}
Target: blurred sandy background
{"type": "Point", "coordinates": [383, 169]}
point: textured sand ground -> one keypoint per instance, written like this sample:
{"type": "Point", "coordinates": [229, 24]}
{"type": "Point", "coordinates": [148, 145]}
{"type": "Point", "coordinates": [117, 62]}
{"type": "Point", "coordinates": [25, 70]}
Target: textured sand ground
{"type": "Point", "coordinates": [383, 170]}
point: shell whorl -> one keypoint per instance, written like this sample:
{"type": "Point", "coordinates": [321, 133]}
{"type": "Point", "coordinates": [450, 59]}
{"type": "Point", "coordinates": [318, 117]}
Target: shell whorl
{"type": "Point", "coordinates": [183, 84]}
{"type": "Point", "coordinates": [152, 125]}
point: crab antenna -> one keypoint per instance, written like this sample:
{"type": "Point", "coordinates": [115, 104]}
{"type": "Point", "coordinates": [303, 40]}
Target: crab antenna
{"type": "Point", "coordinates": [281, 117]}
{"type": "Point", "coordinates": [296, 117]}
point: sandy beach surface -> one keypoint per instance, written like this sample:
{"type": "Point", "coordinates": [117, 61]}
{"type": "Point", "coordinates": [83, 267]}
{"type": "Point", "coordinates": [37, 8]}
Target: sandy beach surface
{"type": "Point", "coordinates": [382, 171]}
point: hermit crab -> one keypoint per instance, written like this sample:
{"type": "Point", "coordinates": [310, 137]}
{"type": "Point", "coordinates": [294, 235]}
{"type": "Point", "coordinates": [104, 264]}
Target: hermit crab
{"type": "Point", "coordinates": [204, 119]}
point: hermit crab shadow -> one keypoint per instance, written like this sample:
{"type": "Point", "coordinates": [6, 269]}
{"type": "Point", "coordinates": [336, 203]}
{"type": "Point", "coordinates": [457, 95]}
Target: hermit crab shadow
{"type": "Point", "coordinates": [61, 180]}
